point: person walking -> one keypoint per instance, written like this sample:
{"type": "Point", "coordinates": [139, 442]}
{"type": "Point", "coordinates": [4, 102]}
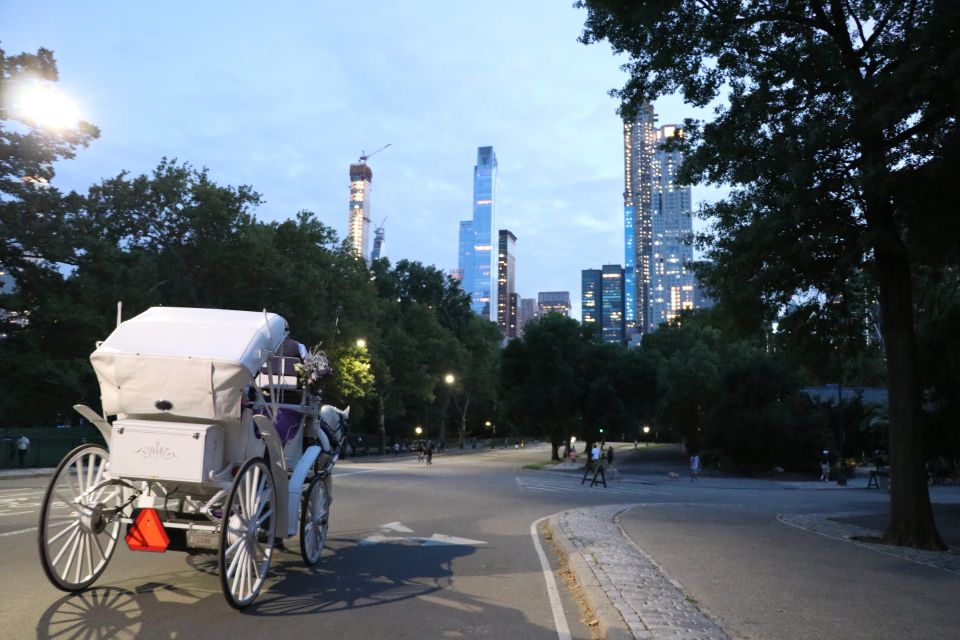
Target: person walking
{"type": "Point", "coordinates": [23, 445]}
{"type": "Point", "coordinates": [594, 455]}
{"type": "Point", "coordinates": [694, 467]}
{"type": "Point", "coordinates": [610, 455]}
{"type": "Point", "coordinates": [429, 453]}
{"type": "Point", "coordinates": [824, 465]}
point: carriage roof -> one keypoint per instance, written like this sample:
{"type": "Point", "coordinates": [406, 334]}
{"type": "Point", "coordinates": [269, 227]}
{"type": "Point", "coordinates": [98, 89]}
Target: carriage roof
{"type": "Point", "coordinates": [242, 337]}
{"type": "Point", "coordinates": [196, 359]}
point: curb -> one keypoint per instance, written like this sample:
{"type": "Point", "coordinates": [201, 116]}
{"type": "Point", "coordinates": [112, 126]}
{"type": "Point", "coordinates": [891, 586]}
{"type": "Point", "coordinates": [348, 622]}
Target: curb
{"type": "Point", "coordinates": [610, 623]}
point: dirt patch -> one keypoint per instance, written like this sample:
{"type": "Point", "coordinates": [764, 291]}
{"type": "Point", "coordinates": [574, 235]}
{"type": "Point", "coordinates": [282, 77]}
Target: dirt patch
{"type": "Point", "coordinates": [569, 578]}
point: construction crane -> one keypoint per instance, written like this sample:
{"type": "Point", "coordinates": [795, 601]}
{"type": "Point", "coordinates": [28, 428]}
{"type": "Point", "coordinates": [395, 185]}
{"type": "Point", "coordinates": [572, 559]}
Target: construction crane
{"type": "Point", "coordinates": [364, 155]}
{"type": "Point", "coordinates": [378, 237]}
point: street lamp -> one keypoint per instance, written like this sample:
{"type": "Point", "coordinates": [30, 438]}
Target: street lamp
{"type": "Point", "coordinates": [418, 431]}
{"type": "Point", "coordinates": [493, 433]}
{"type": "Point", "coordinates": [449, 378]}
{"type": "Point", "coordinates": [646, 436]}
{"type": "Point", "coordinates": [361, 343]}
{"type": "Point", "coordinates": [45, 106]}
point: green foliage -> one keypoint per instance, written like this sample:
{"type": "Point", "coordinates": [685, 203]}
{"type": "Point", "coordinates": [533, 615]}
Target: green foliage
{"type": "Point", "coordinates": [837, 134]}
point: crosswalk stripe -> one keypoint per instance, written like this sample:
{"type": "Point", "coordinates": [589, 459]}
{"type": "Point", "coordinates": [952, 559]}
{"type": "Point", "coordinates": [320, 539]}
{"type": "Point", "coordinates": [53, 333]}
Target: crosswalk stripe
{"type": "Point", "coordinates": [531, 484]}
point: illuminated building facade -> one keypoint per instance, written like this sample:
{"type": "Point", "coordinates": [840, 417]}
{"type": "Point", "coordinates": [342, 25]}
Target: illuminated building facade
{"type": "Point", "coordinates": [553, 302]}
{"type": "Point", "coordinates": [612, 314]}
{"type": "Point", "coordinates": [476, 236]}
{"type": "Point", "coordinates": [591, 294]}
{"type": "Point", "coordinates": [639, 145]}
{"type": "Point", "coordinates": [358, 229]}
{"type": "Point", "coordinates": [527, 312]}
{"type": "Point", "coordinates": [672, 283]}
{"type": "Point", "coordinates": [506, 284]}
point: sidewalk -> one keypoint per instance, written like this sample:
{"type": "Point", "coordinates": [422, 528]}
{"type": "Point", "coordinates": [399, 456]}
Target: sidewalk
{"type": "Point", "coordinates": [747, 571]}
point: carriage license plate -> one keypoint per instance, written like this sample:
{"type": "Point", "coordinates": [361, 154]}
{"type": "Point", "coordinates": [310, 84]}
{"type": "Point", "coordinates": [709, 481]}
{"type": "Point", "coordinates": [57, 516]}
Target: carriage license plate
{"type": "Point", "coordinates": [199, 539]}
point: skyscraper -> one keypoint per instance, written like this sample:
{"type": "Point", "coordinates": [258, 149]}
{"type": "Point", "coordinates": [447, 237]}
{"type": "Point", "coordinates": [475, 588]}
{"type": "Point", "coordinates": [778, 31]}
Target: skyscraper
{"type": "Point", "coordinates": [477, 258]}
{"type": "Point", "coordinates": [358, 229]}
{"type": "Point", "coordinates": [639, 144]}
{"type": "Point", "coordinates": [602, 301]}
{"type": "Point", "coordinates": [506, 284]}
{"type": "Point", "coordinates": [612, 308]}
{"type": "Point", "coordinates": [672, 284]}
{"type": "Point", "coordinates": [527, 313]}
{"type": "Point", "coordinates": [553, 302]}
{"type": "Point", "coordinates": [591, 295]}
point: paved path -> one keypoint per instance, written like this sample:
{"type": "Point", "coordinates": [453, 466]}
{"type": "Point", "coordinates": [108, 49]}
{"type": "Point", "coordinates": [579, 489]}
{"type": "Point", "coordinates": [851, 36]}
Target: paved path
{"type": "Point", "coordinates": [746, 536]}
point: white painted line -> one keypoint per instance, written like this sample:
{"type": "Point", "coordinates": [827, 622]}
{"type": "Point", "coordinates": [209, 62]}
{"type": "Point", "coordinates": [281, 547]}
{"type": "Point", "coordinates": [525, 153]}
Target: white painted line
{"type": "Point", "coordinates": [396, 526]}
{"type": "Point", "coordinates": [15, 533]}
{"type": "Point", "coordinates": [353, 473]}
{"type": "Point", "coordinates": [559, 617]}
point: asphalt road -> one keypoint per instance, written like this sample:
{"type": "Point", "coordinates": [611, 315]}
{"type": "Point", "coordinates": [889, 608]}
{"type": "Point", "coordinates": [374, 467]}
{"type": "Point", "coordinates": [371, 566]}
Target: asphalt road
{"type": "Point", "coordinates": [414, 552]}
{"type": "Point", "coordinates": [446, 552]}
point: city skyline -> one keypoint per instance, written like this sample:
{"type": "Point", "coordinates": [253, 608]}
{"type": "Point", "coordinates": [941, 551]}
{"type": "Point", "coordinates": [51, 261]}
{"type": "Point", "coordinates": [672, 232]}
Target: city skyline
{"type": "Point", "coordinates": [289, 115]}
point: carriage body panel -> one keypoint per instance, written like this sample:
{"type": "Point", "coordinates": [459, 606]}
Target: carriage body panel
{"type": "Point", "coordinates": [166, 451]}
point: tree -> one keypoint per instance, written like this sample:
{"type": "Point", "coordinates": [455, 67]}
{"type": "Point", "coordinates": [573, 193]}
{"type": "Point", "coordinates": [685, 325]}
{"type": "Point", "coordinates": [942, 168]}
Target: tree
{"type": "Point", "coordinates": [478, 370]}
{"type": "Point", "coordinates": [540, 379]}
{"type": "Point", "coordinates": [36, 251]}
{"type": "Point", "coordinates": [838, 115]}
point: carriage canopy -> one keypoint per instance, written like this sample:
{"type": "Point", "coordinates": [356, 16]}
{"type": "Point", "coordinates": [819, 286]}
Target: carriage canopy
{"type": "Point", "coordinates": [185, 362]}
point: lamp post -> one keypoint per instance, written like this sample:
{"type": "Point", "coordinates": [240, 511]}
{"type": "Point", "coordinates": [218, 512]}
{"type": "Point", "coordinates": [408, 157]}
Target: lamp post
{"type": "Point", "coordinates": [646, 436]}
{"type": "Point", "coordinates": [448, 380]}
{"type": "Point", "coordinates": [493, 433]}
{"type": "Point", "coordinates": [361, 343]}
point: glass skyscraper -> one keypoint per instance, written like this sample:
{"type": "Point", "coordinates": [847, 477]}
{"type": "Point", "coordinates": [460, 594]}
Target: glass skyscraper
{"type": "Point", "coordinates": [611, 306]}
{"type": "Point", "coordinates": [672, 284]}
{"type": "Point", "coordinates": [476, 236]}
{"type": "Point", "coordinates": [639, 144]}
{"type": "Point", "coordinates": [553, 302]}
{"type": "Point", "coordinates": [602, 301]}
{"type": "Point", "coordinates": [506, 284]}
{"type": "Point", "coordinates": [591, 293]}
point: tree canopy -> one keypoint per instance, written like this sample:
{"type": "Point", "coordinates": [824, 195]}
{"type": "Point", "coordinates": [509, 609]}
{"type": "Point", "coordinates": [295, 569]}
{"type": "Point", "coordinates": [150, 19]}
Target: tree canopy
{"type": "Point", "coordinates": [837, 131]}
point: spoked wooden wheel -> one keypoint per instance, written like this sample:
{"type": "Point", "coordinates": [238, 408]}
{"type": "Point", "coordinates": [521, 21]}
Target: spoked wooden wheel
{"type": "Point", "coordinates": [314, 519]}
{"type": "Point", "coordinates": [246, 533]}
{"type": "Point", "coordinates": [79, 528]}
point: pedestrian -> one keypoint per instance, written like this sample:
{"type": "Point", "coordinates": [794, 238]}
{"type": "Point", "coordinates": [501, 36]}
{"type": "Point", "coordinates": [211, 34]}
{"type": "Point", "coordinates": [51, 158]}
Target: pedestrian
{"type": "Point", "coordinates": [824, 465]}
{"type": "Point", "coordinates": [610, 455]}
{"type": "Point", "coordinates": [396, 448]}
{"type": "Point", "coordinates": [23, 445]}
{"type": "Point", "coordinates": [694, 467]}
{"type": "Point", "coordinates": [429, 453]}
{"type": "Point", "coordinates": [594, 454]}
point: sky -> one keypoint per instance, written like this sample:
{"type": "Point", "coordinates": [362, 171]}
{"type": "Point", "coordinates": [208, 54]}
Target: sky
{"type": "Point", "coordinates": [284, 96]}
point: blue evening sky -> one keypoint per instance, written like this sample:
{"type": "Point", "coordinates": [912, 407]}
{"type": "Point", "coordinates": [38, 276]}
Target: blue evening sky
{"type": "Point", "coordinates": [284, 95]}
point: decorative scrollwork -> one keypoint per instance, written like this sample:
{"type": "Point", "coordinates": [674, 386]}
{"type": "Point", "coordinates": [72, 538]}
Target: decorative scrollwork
{"type": "Point", "coordinates": [157, 451]}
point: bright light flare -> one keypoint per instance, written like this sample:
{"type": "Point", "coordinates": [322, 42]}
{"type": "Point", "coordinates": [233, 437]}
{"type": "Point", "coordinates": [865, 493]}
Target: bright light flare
{"type": "Point", "coordinates": [43, 105]}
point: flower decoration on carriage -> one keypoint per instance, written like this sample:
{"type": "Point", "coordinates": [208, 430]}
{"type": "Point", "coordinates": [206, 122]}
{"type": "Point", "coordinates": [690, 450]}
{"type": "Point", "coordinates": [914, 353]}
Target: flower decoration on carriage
{"type": "Point", "coordinates": [313, 372]}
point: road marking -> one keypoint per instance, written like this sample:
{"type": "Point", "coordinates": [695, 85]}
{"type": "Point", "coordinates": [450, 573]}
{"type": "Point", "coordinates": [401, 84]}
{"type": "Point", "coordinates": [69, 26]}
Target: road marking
{"type": "Point", "coordinates": [435, 539]}
{"type": "Point", "coordinates": [15, 533]}
{"type": "Point", "coordinates": [353, 473]}
{"type": "Point", "coordinates": [559, 617]}
{"type": "Point", "coordinates": [569, 486]}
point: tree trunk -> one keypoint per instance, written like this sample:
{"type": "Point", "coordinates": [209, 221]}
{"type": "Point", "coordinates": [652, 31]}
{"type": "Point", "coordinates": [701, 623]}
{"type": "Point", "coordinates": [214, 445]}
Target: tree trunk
{"type": "Point", "coordinates": [382, 423]}
{"type": "Point", "coordinates": [911, 516]}
{"type": "Point", "coordinates": [463, 418]}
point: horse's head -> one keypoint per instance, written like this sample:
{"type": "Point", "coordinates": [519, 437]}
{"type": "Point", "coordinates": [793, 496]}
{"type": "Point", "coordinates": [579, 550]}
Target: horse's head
{"type": "Point", "coordinates": [335, 420]}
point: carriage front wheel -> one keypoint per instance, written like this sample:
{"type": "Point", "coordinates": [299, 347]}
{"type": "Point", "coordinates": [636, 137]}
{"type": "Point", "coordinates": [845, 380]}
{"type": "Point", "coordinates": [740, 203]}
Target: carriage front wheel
{"type": "Point", "coordinates": [314, 520]}
{"type": "Point", "coordinates": [246, 533]}
{"type": "Point", "coordinates": [79, 519]}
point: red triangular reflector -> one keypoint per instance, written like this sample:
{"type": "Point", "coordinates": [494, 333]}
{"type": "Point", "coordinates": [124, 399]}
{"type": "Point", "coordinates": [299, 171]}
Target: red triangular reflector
{"type": "Point", "coordinates": [147, 533]}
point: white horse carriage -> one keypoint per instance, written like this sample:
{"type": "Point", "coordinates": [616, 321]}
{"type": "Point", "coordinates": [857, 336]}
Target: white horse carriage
{"type": "Point", "coordinates": [215, 443]}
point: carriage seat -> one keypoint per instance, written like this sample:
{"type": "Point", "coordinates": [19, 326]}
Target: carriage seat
{"type": "Point", "coordinates": [278, 372]}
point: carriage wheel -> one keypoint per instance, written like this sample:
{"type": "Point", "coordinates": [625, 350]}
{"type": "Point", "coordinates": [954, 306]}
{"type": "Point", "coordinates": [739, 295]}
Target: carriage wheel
{"type": "Point", "coordinates": [246, 533]}
{"type": "Point", "coordinates": [78, 537]}
{"type": "Point", "coordinates": [314, 521]}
